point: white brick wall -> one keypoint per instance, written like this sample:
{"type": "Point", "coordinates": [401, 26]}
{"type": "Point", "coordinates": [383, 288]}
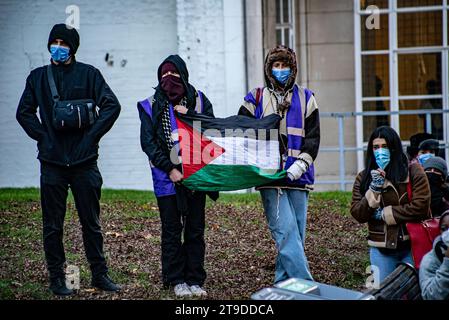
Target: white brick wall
{"type": "Point", "coordinates": [143, 33]}
{"type": "Point", "coordinates": [210, 36]}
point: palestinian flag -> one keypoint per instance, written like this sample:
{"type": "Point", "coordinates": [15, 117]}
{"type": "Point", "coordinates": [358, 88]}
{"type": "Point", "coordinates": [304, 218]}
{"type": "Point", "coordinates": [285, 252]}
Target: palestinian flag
{"type": "Point", "coordinates": [228, 154]}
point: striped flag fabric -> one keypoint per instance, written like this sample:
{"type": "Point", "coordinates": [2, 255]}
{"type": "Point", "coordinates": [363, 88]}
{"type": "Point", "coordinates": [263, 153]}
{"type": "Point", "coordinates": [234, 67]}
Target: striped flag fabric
{"type": "Point", "coordinates": [228, 154]}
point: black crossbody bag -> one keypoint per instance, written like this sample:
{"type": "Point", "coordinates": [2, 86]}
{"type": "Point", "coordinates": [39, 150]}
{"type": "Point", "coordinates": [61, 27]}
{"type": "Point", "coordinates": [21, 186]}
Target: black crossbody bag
{"type": "Point", "coordinates": [71, 114]}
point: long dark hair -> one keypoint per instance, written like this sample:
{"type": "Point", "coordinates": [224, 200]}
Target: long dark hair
{"type": "Point", "coordinates": [397, 169]}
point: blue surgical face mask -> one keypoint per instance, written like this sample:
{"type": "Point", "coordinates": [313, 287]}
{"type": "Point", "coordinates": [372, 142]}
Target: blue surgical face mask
{"type": "Point", "coordinates": [59, 53]}
{"type": "Point", "coordinates": [281, 75]}
{"type": "Point", "coordinates": [424, 157]}
{"type": "Point", "coordinates": [382, 156]}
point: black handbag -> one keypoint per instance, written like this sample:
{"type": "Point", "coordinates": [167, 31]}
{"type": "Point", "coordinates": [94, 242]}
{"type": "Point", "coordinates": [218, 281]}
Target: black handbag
{"type": "Point", "coordinates": [71, 114]}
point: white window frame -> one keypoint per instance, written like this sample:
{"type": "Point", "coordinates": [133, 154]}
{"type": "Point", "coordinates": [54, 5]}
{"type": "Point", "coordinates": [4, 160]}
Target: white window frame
{"type": "Point", "coordinates": [284, 25]}
{"type": "Point", "coordinates": [393, 52]}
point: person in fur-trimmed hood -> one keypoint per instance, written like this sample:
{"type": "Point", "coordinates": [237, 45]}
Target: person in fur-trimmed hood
{"type": "Point", "coordinates": [285, 201]}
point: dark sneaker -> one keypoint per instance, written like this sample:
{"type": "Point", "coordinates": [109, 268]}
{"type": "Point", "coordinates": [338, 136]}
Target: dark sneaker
{"type": "Point", "coordinates": [58, 287]}
{"type": "Point", "coordinates": [105, 283]}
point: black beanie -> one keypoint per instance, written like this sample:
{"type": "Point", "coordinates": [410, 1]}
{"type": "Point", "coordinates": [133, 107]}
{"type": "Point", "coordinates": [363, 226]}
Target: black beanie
{"type": "Point", "coordinates": [429, 144]}
{"type": "Point", "coordinates": [415, 140]}
{"type": "Point", "coordinates": [70, 36]}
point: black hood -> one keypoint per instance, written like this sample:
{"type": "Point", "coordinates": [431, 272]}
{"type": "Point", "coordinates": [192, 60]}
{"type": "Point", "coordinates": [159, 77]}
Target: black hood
{"type": "Point", "coordinates": [69, 35]}
{"type": "Point", "coordinates": [181, 66]}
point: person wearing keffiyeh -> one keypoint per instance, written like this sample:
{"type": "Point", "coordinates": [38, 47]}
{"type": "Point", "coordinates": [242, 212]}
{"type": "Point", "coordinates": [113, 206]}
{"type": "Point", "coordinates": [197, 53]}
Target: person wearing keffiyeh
{"type": "Point", "coordinates": [180, 209]}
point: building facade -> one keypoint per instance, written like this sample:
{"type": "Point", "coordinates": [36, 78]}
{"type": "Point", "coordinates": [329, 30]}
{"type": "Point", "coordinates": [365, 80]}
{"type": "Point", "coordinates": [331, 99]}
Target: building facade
{"type": "Point", "coordinates": [126, 41]}
{"type": "Point", "coordinates": [364, 56]}
{"type": "Point", "coordinates": [356, 55]}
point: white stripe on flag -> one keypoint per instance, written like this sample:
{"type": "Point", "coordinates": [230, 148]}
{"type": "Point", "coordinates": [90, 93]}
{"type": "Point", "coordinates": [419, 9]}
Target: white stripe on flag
{"type": "Point", "coordinates": [245, 151]}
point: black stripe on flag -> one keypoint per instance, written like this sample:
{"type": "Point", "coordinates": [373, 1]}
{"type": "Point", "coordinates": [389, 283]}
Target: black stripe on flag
{"type": "Point", "coordinates": [252, 128]}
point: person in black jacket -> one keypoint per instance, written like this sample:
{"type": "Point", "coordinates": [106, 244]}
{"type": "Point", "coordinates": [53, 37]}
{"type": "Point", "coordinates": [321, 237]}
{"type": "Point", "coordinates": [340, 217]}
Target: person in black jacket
{"type": "Point", "coordinates": [180, 209]}
{"type": "Point", "coordinates": [436, 171]}
{"type": "Point", "coordinates": [69, 158]}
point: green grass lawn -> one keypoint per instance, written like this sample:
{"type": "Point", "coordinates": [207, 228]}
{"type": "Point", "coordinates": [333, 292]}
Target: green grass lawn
{"type": "Point", "coordinates": [240, 253]}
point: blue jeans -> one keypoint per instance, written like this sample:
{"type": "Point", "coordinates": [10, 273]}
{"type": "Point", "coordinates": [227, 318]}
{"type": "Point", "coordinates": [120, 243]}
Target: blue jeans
{"type": "Point", "coordinates": [388, 261]}
{"type": "Point", "coordinates": [286, 213]}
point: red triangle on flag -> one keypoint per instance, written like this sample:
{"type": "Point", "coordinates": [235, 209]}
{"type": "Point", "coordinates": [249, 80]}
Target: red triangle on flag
{"type": "Point", "coordinates": [197, 150]}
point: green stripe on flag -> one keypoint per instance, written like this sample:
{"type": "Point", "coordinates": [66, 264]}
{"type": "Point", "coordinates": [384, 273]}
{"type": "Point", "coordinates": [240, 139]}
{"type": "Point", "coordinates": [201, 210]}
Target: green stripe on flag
{"type": "Point", "coordinates": [230, 178]}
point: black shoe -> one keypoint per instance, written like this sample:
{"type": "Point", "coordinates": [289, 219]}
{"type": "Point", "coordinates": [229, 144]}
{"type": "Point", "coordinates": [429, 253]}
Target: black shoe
{"type": "Point", "coordinates": [58, 287]}
{"type": "Point", "coordinates": [105, 283]}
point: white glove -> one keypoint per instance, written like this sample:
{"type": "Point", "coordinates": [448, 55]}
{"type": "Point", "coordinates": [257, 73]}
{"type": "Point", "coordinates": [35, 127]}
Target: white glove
{"type": "Point", "coordinates": [297, 169]}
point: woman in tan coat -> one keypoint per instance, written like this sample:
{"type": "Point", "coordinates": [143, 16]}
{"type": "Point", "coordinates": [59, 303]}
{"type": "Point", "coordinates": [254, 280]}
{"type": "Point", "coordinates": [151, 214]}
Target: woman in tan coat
{"type": "Point", "coordinates": [381, 200]}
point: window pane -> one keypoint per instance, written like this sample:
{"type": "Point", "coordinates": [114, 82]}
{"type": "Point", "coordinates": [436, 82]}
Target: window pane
{"type": "Point", "coordinates": [375, 76]}
{"type": "Point", "coordinates": [279, 36]}
{"type": "Point", "coordinates": [372, 122]}
{"type": "Point", "coordinates": [285, 9]}
{"type": "Point", "coordinates": [278, 11]}
{"type": "Point", "coordinates": [287, 37]}
{"type": "Point", "coordinates": [419, 3]}
{"type": "Point", "coordinates": [375, 39]}
{"type": "Point", "coordinates": [419, 29]}
{"type": "Point", "coordinates": [414, 124]}
{"type": "Point", "coordinates": [419, 74]}
{"type": "Point", "coordinates": [381, 4]}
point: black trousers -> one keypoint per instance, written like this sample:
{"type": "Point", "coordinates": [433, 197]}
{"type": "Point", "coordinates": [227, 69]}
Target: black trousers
{"type": "Point", "coordinates": [85, 182]}
{"type": "Point", "coordinates": [183, 261]}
